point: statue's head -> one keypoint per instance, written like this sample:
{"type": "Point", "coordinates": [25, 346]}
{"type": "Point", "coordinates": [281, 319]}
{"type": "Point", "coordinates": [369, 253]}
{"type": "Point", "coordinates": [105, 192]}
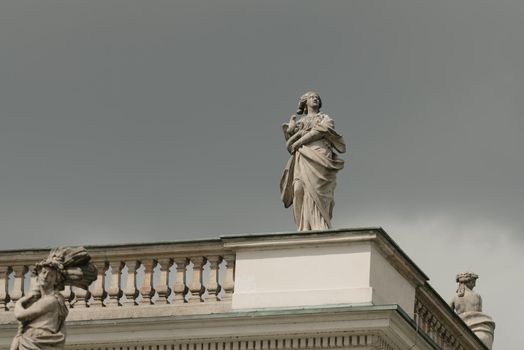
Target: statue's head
{"type": "Point", "coordinates": [49, 273]}
{"type": "Point", "coordinates": [48, 277]}
{"type": "Point", "coordinates": [466, 279]}
{"type": "Point", "coordinates": [310, 99]}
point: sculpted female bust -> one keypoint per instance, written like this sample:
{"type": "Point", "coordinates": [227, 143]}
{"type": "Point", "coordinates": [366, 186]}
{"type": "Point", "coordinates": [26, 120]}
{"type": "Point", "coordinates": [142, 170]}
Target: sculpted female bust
{"type": "Point", "coordinates": [309, 179]}
{"type": "Point", "coordinates": [42, 312]}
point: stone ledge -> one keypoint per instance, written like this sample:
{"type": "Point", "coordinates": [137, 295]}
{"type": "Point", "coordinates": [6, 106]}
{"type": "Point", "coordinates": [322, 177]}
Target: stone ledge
{"type": "Point", "coordinates": [342, 326]}
{"type": "Point", "coordinates": [135, 312]}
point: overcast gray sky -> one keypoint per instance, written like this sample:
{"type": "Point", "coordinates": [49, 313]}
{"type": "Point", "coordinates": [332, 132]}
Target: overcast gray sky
{"type": "Point", "coordinates": [131, 121]}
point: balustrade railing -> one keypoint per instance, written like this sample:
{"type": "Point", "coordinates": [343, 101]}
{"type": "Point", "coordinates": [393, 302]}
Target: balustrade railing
{"type": "Point", "coordinates": [134, 274]}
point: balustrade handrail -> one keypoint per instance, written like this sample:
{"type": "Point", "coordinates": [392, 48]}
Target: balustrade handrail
{"type": "Point", "coordinates": [32, 255]}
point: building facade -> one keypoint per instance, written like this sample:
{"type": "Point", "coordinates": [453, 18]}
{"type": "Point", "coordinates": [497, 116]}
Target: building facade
{"type": "Point", "coordinates": [343, 289]}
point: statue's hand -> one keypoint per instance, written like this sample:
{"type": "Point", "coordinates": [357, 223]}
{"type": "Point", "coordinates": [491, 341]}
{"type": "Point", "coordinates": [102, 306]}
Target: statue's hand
{"type": "Point", "coordinates": [289, 128]}
{"type": "Point", "coordinates": [292, 148]}
{"type": "Point", "coordinates": [289, 146]}
{"type": "Point", "coordinates": [292, 144]}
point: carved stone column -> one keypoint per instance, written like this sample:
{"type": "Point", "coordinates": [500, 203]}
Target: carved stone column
{"type": "Point", "coordinates": [4, 295]}
{"type": "Point", "coordinates": [196, 288]}
{"type": "Point", "coordinates": [147, 289]}
{"type": "Point", "coordinates": [180, 286]}
{"type": "Point", "coordinates": [18, 285]}
{"type": "Point", "coordinates": [229, 283]}
{"type": "Point", "coordinates": [115, 291]}
{"type": "Point", "coordinates": [98, 292]}
{"type": "Point", "coordinates": [82, 297]}
{"type": "Point", "coordinates": [213, 287]}
{"type": "Point", "coordinates": [131, 291]}
{"type": "Point", "coordinates": [68, 294]}
{"type": "Point", "coordinates": [163, 289]}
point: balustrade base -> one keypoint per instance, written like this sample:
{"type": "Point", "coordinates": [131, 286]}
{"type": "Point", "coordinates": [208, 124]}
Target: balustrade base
{"type": "Point", "coordinates": [119, 312]}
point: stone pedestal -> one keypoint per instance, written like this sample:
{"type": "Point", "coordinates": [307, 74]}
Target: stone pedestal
{"type": "Point", "coordinates": [322, 269]}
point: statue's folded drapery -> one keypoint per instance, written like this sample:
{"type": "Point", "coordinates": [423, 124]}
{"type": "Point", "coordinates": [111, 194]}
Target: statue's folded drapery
{"type": "Point", "coordinates": [315, 165]}
{"type": "Point", "coordinates": [47, 331]}
{"type": "Point", "coordinates": [481, 324]}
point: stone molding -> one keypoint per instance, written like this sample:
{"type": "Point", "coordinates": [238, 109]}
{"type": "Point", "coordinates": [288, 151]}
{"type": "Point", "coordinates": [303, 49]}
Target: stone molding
{"type": "Point", "coordinates": [345, 327]}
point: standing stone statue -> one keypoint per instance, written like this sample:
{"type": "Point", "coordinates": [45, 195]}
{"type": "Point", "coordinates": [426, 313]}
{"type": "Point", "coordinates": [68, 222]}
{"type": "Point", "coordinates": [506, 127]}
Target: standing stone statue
{"type": "Point", "coordinates": [468, 305]}
{"type": "Point", "coordinates": [42, 312]}
{"type": "Point", "coordinates": [309, 179]}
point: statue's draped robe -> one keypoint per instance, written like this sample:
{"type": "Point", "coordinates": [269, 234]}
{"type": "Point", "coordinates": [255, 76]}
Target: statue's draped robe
{"type": "Point", "coordinates": [481, 324]}
{"type": "Point", "coordinates": [47, 331]}
{"type": "Point", "coordinates": [315, 165]}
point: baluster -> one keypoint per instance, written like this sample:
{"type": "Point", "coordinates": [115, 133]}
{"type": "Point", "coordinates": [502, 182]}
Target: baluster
{"type": "Point", "coordinates": [115, 291]}
{"type": "Point", "coordinates": [32, 279]}
{"type": "Point", "coordinates": [213, 287]}
{"type": "Point", "coordinates": [18, 285]}
{"type": "Point", "coordinates": [5, 271]}
{"type": "Point", "coordinates": [67, 293]}
{"type": "Point", "coordinates": [229, 283]}
{"type": "Point", "coordinates": [98, 292]}
{"type": "Point", "coordinates": [196, 288]}
{"type": "Point", "coordinates": [131, 291]}
{"type": "Point", "coordinates": [147, 289]}
{"type": "Point", "coordinates": [163, 289]}
{"type": "Point", "coordinates": [180, 287]}
{"type": "Point", "coordinates": [82, 297]}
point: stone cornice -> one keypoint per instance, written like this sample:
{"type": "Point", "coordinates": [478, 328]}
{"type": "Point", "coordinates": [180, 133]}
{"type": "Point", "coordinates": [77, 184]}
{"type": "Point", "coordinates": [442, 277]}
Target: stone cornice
{"type": "Point", "coordinates": [377, 327]}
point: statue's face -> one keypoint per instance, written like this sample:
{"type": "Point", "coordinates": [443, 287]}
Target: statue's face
{"type": "Point", "coordinates": [471, 284]}
{"type": "Point", "coordinates": [47, 277]}
{"type": "Point", "coordinates": [313, 101]}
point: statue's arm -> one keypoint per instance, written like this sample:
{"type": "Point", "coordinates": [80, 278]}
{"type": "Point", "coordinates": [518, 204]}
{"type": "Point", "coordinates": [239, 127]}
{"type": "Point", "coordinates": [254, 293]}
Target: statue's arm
{"type": "Point", "coordinates": [310, 136]}
{"type": "Point", "coordinates": [40, 307]}
{"type": "Point", "coordinates": [296, 136]}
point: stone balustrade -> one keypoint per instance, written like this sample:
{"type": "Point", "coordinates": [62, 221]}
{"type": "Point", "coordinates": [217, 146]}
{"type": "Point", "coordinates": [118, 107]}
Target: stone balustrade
{"type": "Point", "coordinates": [131, 275]}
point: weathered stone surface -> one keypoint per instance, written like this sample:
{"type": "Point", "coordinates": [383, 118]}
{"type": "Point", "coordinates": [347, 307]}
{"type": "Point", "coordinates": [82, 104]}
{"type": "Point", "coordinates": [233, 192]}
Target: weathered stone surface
{"type": "Point", "coordinates": [309, 179]}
